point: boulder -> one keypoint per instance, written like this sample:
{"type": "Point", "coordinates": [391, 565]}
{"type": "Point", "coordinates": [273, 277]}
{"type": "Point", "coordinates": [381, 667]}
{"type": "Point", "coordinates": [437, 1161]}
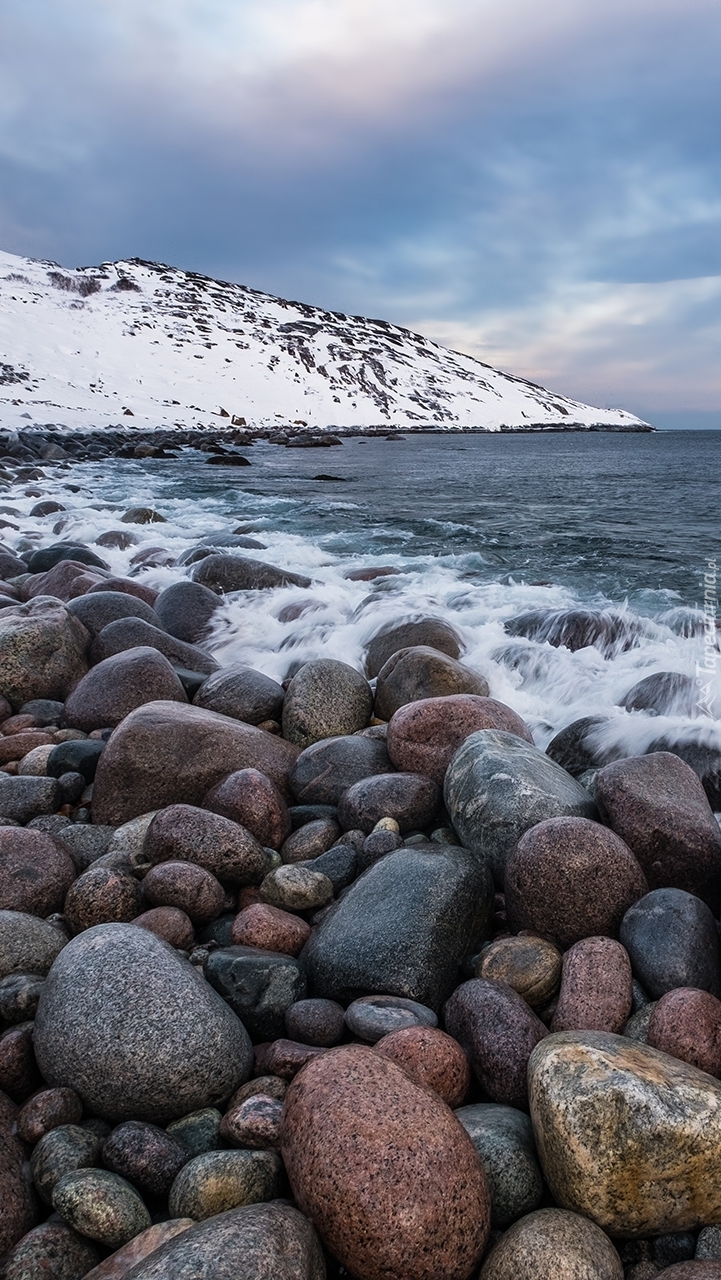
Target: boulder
{"type": "Point", "coordinates": [383, 1169]}
{"type": "Point", "coordinates": [665, 693]}
{"type": "Point", "coordinates": [133, 633]}
{"type": "Point", "coordinates": [672, 940]}
{"type": "Point", "coordinates": [259, 985]}
{"type": "Point", "coordinates": [503, 1138]}
{"type": "Point", "coordinates": [250, 799]}
{"type": "Point", "coordinates": [28, 944]}
{"type": "Point", "coordinates": [185, 610]}
{"type": "Point", "coordinates": [553, 1242]}
{"type": "Point", "coordinates": [410, 799]}
{"type": "Point", "coordinates": [35, 872]}
{"type": "Point", "coordinates": [102, 894]}
{"type": "Point", "coordinates": [626, 1135]}
{"type": "Point", "coordinates": [596, 986]}
{"type": "Point", "coordinates": [270, 929]}
{"type": "Point", "coordinates": [687, 1024]}
{"type": "Point", "coordinates": [326, 699]}
{"type": "Point", "coordinates": [18, 1205]}
{"type": "Point", "coordinates": [424, 736]}
{"type": "Point", "coordinates": [529, 964]}
{"type": "Point", "coordinates": [47, 1110]}
{"type": "Point", "coordinates": [311, 840]}
{"type": "Point", "coordinates": [99, 608]}
{"type": "Point", "coordinates": [25, 798]}
{"type": "Point", "coordinates": [402, 928]}
{"type": "Point", "coordinates": [60, 1151]}
{"type": "Point", "coordinates": [576, 748]}
{"type": "Point", "coordinates": [135, 1030]}
{"type": "Point", "coordinates": [64, 581]}
{"type": "Point", "coordinates": [223, 573]}
{"type": "Point", "coordinates": [169, 923]}
{"type": "Point", "coordinates": [185, 833]}
{"type": "Point", "coordinates": [497, 1031]}
{"type": "Point", "coordinates": [431, 1059]}
{"type": "Point", "coordinates": [79, 756]}
{"type": "Point", "coordinates": [42, 652]}
{"type": "Point", "coordinates": [100, 1205]}
{"type": "Point", "coordinates": [497, 786]}
{"type": "Point", "coordinates": [187, 887]}
{"type": "Point", "coordinates": [165, 753]}
{"type": "Point", "coordinates": [430, 633]}
{"type": "Point", "coordinates": [216, 1181]}
{"type": "Point", "coordinates": [50, 1250]}
{"type": "Point", "coordinates": [296, 888]}
{"type": "Point", "coordinates": [330, 766]}
{"type": "Point", "coordinates": [608, 631]}
{"type": "Point", "coordinates": [242, 693]}
{"type": "Point", "coordinates": [420, 672]}
{"type": "Point", "coordinates": [46, 558]}
{"type": "Point", "coordinates": [118, 685]}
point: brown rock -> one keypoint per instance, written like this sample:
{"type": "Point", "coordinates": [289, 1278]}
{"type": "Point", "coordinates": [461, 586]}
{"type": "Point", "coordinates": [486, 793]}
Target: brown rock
{"type": "Point", "coordinates": [116, 686]}
{"type": "Point", "coordinates": [42, 652]}
{"type": "Point", "coordinates": [310, 840]}
{"type": "Point", "coordinates": [411, 675]}
{"type": "Point", "coordinates": [430, 633]}
{"type": "Point", "coordinates": [100, 895]}
{"type": "Point", "coordinates": [17, 745]}
{"type": "Point", "coordinates": [424, 736]}
{"type": "Point", "coordinates": [181, 884]}
{"type": "Point", "coordinates": [127, 587]}
{"type": "Point", "coordinates": [657, 804]}
{"type": "Point", "coordinates": [121, 1263]}
{"type": "Point", "coordinates": [146, 1155]}
{"type": "Point", "coordinates": [687, 1024]}
{"type": "Point", "coordinates": [18, 1205]}
{"type": "Point", "coordinates": [498, 1032]}
{"type": "Point", "coordinates": [268, 1086]}
{"type": "Point", "coordinates": [384, 1170]}
{"type": "Point", "coordinates": [165, 753]}
{"type": "Point", "coordinates": [184, 833]}
{"type": "Point", "coordinates": [553, 1243]}
{"type": "Point", "coordinates": [65, 581]}
{"type": "Point", "coordinates": [411, 799]}
{"type": "Point", "coordinates": [569, 878]}
{"type": "Point", "coordinates": [596, 987]}
{"type": "Point", "coordinates": [431, 1058]}
{"type": "Point", "coordinates": [51, 1251]}
{"type": "Point", "coordinates": [529, 964]}
{"type": "Point", "coordinates": [169, 923]}
{"type": "Point", "coordinates": [254, 1122]}
{"type": "Point", "coordinates": [270, 929]}
{"type": "Point", "coordinates": [19, 1074]}
{"type": "Point", "coordinates": [35, 872]}
{"type": "Point", "coordinates": [284, 1058]}
{"type": "Point", "coordinates": [249, 798]}
{"type": "Point", "coordinates": [46, 1110]}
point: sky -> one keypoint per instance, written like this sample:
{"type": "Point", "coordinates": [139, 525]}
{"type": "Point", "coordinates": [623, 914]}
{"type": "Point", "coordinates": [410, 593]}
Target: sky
{"type": "Point", "coordinates": [538, 185]}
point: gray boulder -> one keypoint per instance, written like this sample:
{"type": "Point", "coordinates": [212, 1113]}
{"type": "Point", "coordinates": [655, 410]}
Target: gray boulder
{"type": "Point", "coordinates": [325, 700]}
{"type": "Point", "coordinates": [26, 797]}
{"type": "Point", "coordinates": [118, 685]}
{"type": "Point", "coordinates": [27, 944]}
{"type": "Point", "coordinates": [329, 767]}
{"type": "Point", "coordinates": [131, 633]}
{"type": "Point", "coordinates": [185, 610]}
{"type": "Point", "coordinates": [242, 693]}
{"type": "Point", "coordinates": [433, 633]}
{"type": "Point", "coordinates": [672, 939]}
{"type": "Point", "coordinates": [503, 1138]}
{"type": "Point", "coordinates": [238, 573]}
{"type": "Point", "coordinates": [42, 651]}
{"type": "Point", "coordinates": [100, 608]}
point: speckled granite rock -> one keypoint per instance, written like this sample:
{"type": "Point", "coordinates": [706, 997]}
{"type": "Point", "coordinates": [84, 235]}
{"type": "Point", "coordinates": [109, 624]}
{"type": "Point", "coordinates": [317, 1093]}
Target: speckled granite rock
{"type": "Point", "coordinates": [503, 1138]}
{"type": "Point", "coordinates": [423, 736]}
{"type": "Point", "coordinates": [553, 1242]}
{"type": "Point", "coordinates": [411, 799]}
{"type": "Point", "coordinates": [51, 1251]}
{"type": "Point", "coordinates": [28, 944]}
{"type": "Point", "coordinates": [18, 1204]}
{"type": "Point", "coordinates": [219, 1180]}
{"type": "Point", "coordinates": [687, 1024]}
{"type": "Point", "coordinates": [329, 767]}
{"type": "Point", "coordinates": [421, 672]}
{"type": "Point", "coordinates": [35, 872]}
{"type": "Point", "coordinates": [430, 1058]}
{"type": "Point", "coordinates": [43, 651]}
{"type": "Point", "coordinates": [324, 700]}
{"type": "Point", "coordinates": [100, 1205]}
{"type": "Point", "coordinates": [186, 833]}
{"type": "Point", "coordinates": [120, 1263]}
{"type": "Point", "coordinates": [498, 1031]}
{"type": "Point", "coordinates": [672, 940]}
{"type": "Point", "coordinates": [596, 986]}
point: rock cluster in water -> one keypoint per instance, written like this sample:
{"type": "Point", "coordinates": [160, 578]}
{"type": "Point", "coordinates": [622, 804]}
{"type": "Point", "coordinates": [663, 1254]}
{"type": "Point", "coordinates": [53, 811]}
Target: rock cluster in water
{"type": "Point", "coordinates": [337, 977]}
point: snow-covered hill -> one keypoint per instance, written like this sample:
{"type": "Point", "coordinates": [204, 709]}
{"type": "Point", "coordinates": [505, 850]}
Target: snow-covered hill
{"type": "Point", "coordinates": [138, 343]}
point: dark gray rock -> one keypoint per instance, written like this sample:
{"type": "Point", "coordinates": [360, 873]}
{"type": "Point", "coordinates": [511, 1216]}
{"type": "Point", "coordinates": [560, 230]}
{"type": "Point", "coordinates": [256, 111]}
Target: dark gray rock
{"type": "Point", "coordinates": [19, 1210]}
{"type": "Point", "coordinates": [329, 767]}
{"type": "Point", "coordinates": [27, 797]}
{"type": "Point", "coordinates": [146, 1155]}
{"type": "Point", "coordinates": [135, 1030]}
{"type": "Point", "coordinates": [242, 693]}
{"type": "Point", "coordinates": [85, 842]}
{"type": "Point", "coordinates": [19, 995]}
{"type": "Point", "coordinates": [47, 557]}
{"type": "Point", "coordinates": [79, 756]}
{"type": "Point", "coordinates": [430, 632]}
{"type": "Point", "coordinates": [372, 1017]}
{"type": "Point", "coordinates": [131, 633]}
{"type": "Point", "coordinates": [574, 629]}
{"type": "Point", "coordinates": [497, 786]}
{"type": "Point", "coordinates": [218, 1180]}
{"type": "Point", "coordinates": [198, 1132]}
{"type": "Point", "coordinates": [339, 864]}
{"type": "Point", "coordinates": [27, 944]}
{"type": "Point", "coordinates": [61, 1151]}
{"type": "Point", "coordinates": [101, 1205]}
{"type": "Point", "coordinates": [574, 747]}
{"type": "Point", "coordinates": [300, 814]}
{"type": "Point", "coordinates": [503, 1138]}
{"type": "Point", "coordinates": [665, 693]}
{"type": "Point", "coordinates": [318, 1022]}
{"type": "Point", "coordinates": [411, 799]}
{"type": "Point", "coordinates": [672, 940]}
{"type": "Point", "coordinates": [325, 699]}
{"type": "Point", "coordinates": [43, 651]}
{"type": "Point", "coordinates": [97, 610]}
{"type": "Point", "coordinates": [259, 985]}
{"type": "Point", "coordinates": [402, 928]}
{"type": "Point", "coordinates": [413, 674]}
{"type": "Point", "coordinates": [185, 610]}
{"type": "Point", "coordinates": [119, 685]}
{"type": "Point", "coordinates": [45, 711]}
{"type": "Point", "coordinates": [310, 840]}
{"type": "Point", "coordinates": [498, 1032]}
{"type": "Point", "coordinates": [238, 573]}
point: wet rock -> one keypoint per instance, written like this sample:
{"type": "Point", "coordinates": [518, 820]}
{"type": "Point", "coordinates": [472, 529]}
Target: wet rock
{"type": "Point", "coordinates": [419, 673]}
{"type": "Point", "coordinates": [431, 1058]}
{"type": "Point", "coordinates": [115, 687]}
{"type": "Point", "coordinates": [19, 995]}
{"type": "Point", "coordinates": [185, 833]}
{"type": "Point", "coordinates": [411, 799]}
{"type": "Point", "coordinates": [51, 1251]}
{"type": "Point", "coordinates": [146, 1155]}
{"type": "Point", "coordinates": [402, 928]}
{"type": "Point", "coordinates": [569, 878]}
{"type": "Point", "coordinates": [316, 1021]}
{"type": "Point", "coordinates": [64, 581]}
{"type": "Point", "coordinates": [19, 1210]}
{"type": "Point", "coordinates": [383, 1169]}
{"type": "Point", "coordinates": [657, 804]}
{"type": "Point", "coordinates": [626, 1135]}
{"type": "Point", "coordinates": [529, 964]}
{"type": "Point", "coordinates": [296, 888]}
{"type": "Point", "coordinates": [109, 1026]}
{"type": "Point", "coordinates": [595, 990]}
{"type": "Point", "coordinates": [19, 1074]}
{"type": "Point", "coordinates": [75, 757]}
{"type": "Point", "coordinates": [311, 840]}
{"type": "Point", "coordinates": [267, 1086]}
{"type": "Point", "coordinates": [667, 693]}
{"type": "Point", "coordinates": [498, 1032]}
{"type": "Point", "coordinates": [101, 1205]}
{"type": "Point", "coordinates": [672, 940]}
{"type": "Point", "coordinates": [329, 767]}
{"type": "Point", "coordinates": [430, 633]}
{"type": "Point", "coordinates": [325, 699]}
{"type": "Point", "coordinates": [99, 608]}
{"type": "Point", "coordinates": [128, 587]}
{"type": "Point", "coordinates": [23, 799]}
{"type": "Point", "coordinates": [371, 1018]}
{"type": "Point", "coordinates": [45, 558]}
{"type": "Point", "coordinates": [221, 573]}
{"type": "Point", "coordinates": [266, 927]}
{"type": "Point", "coordinates": [133, 633]}
{"type": "Point", "coordinates": [258, 985]}
{"type": "Point", "coordinates": [27, 944]}
{"type": "Point", "coordinates": [142, 515]}
{"type": "Point", "coordinates": [165, 753]}
{"type": "Point", "coordinates": [553, 1242]}
{"type": "Point", "coordinates": [183, 885]}
{"type": "Point", "coordinates": [497, 786]}
{"type": "Point", "coordinates": [101, 895]}
{"type": "Point", "coordinates": [185, 610]}
{"type": "Point", "coordinates": [253, 1123]}
{"type": "Point", "coordinates": [169, 923]}
{"type": "Point", "coordinates": [220, 1180]}
{"type": "Point", "coordinates": [62, 1150]}
{"type": "Point", "coordinates": [503, 1138]}
{"type": "Point", "coordinates": [47, 1110]}
{"type": "Point", "coordinates": [35, 872]}
{"type": "Point", "coordinates": [249, 798]}
{"type": "Point", "coordinates": [577, 749]}
{"type": "Point", "coordinates": [242, 693]}
{"type": "Point", "coordinates": [687, 1024]}
{"type": "Point", "coordinates": [423, 736]}
{"type": "Point", "coordinates": [575, 629]}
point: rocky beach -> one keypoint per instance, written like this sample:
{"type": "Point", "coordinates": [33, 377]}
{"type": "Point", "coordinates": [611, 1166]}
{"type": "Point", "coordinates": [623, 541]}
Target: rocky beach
{"type": "Point", "coordinates": [359, 913]}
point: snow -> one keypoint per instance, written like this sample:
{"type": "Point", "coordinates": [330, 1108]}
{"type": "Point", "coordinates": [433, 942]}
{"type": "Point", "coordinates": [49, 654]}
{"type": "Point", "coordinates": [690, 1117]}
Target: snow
{"type": "Point", "coordinates": [136, 343]}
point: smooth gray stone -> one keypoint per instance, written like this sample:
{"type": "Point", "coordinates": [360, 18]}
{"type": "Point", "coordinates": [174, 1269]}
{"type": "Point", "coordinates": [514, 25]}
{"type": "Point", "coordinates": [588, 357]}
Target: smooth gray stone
{"type": "Point", "coordinates": [372, 1017]}
{"type": "Point", "coordinates": [28, 944]}
{"type": "Point", "coordinates": [199, 1131]}
{"type": "Point", "coordinates": [325, 699]}
{"type": "Point", "coordinates": [239, 573]}
{"type": "Point", "coordinates": [132, 633]}
{"type": "Point", "coordinates": [259, 985]}
{"type": "Point", "coordinates": [23, 798]}
{"type": "Point", "coordinates": [100, 608]}
{"type": "Point", "coordinates": [672, 939]}
{"type": "Point", "coordinates": [85, 842]}
{"type": "Point", "coordinates": [185, 610]}
{"type": "Point", "coordinates": [101, 1205]}
{"type": "Point", "coordinates": [503, 1138]}
{"type": "Point", "coordinates": [328, 768]}
{"type": "Point", "coordinates": [209, 1182]}
{"type": "Point", "coordinates": [62, 1150]}
{"type": "Point", "coordinates": [242, 693]}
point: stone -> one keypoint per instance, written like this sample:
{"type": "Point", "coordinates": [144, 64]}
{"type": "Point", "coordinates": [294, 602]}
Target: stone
{"type": "Point", "coordinates": [371, 1018]}
{"type": "Point", "coordinates": [75, 757]}
{"type": "Point", "coordinates": [411, 799]}
{"type": "Point", "coordinates": [100, 895]}
{"type": "Point", "coordinates": [142, 515]}
{"type": "Point", "coordinates": [626, 1135]}
{"type": "Point", "coordinates": [45, 711]}
{"type": "Point", "coordinates": [691, 1271]}
{"type": "Point", "coordinates": [419, 673]}
{"type": "Point", "coordinates": [498, 1033]}
{"type": "Point", "coordinates": [51, 1251]}
{"type": "Point", "coordinates": [310, 840]}
{"type": "Point", "coordinates": [47, 1110]}
{"type": "Point", "coordinates": [101, 1205]}
{"type": "Point", "coordinates": [242, 693]}
{"type": "Point", "coordinates": [186, 609]}
{"type": "Point", "coordinates": [574, 629]}
{"type": "Point", "coordinates": [19, 995]}
{"type": "Point", "coordinates": [25, 798]}
{"type": "Point", "coordinates": [98, 609]}
{"type": "Point", "coordinates": [380, 842]}
{"type": "Point", "coordinates": [569, 878]}
{"type": "Point", "coordinates": [135, 1030]}
{"type": "Point", "coordinates": [503, 1138]}
{"type": "Point", "coordinates": [121, 1262]}
{"type": "Point", "coordinates": [261, 925]}
{"type": "Point", "coordinates": [263, 1241]}
{"type": "Point", "coordinates": [133, 633]}
{"type": "Point", "coordinates": [595, 990]}
{"type": "Point", "coordinates": [497, 786]}
{"type": "Point", "coordinates": [45, 558]}
{"type": "Point", "coordinates": [315, 1021]}
{"type": "Point", "coordinates": [383, 1169]}
{"type": "Point", "coordinates": [117, 686]}
{"type": "Point", "coordinates": [637, 1026]}
{"type": "Point", "coordinates": [666, 693]}
{"type": "Point", "coordinates": [19, 1074]}
{"type": "Point", "coordinates": [431, 1058]}
{"type": "Point", "coordinates": [672, 940]}
{"type": "Point", "coordinates": [708, 1244]}
{"type": "Point", "coordinates": [128, 587]}
{"type": "Point", "coordinates": [267, 1086]}
{"type": "Point", "coordinates": [35, 872]}
{"type": "Point", "coordinates": [27, 944]}
{"type": "Point", "coordinates": [223, 573]}
{"type": "Point", "coordinates": [258, 985]}
{"type": "Point", "coordinates": [576, 748]}
{"type": "Point", "coordinates": [339, 864]}
{"type": "Point", "coordinates": [183, 885]}
{"type": "Point", "coordinates": [166, 753]}
{"type": "Point", "coordinates": [17, 745]}
{"type": "Point", "coordinates": [85, 842]}
{"type": "Point", "coordinates": [687, 1024]}
{"type": "Point", "coordinates": [296, 888]}
{"type": "Point", "coordinates": [18, 1205]}
{"type": "Point", "coordinates": [220, 1180]}
{"type": "Point", "coordinates": [327, 768]}
{"type": "Point", "coordinates": [529, 964]}
{"type": "Point", "coordinates": [33, 764]}
{"type": "Point", "coordinates": [64, 581]}
{"type": "Point", "coordinates": [199, 1131]}
{"type": "Point", "coordinates": [325, 699]}
{"type": "Point", "coordinates": [147, 1156]}
{"type": "Point", "coordinates": [402, 928]}
{"type": "Point", "coordinates": [284, 1058]}
{"type": "Point", "coordinates": [424, 735]}
{"type": "Point", "coordinates": [169, 923]}
{"type": "Point", "coordinates": [253, 1123]}
{"type": "Point", "coordinates": [249, 798]}
{"type": "Point", "coordinates": [62, 1150]}
{"type": "Point", "coordinates": [657, 804]}
{"type": "Point", "coordinates": [185, 833]}
{"type": "Point", "coordinates": [553, 1242]}
{"type": "Point", "coordinates": [430, 633]}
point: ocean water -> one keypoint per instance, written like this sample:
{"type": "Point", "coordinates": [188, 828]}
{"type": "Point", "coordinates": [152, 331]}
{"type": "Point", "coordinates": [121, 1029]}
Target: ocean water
{"type": "Point", "coordinates": [481, 529]}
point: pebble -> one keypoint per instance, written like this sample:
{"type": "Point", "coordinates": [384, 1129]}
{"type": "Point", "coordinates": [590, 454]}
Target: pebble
{"type": "Point", "coordinates": [672, 940]}
{"type": "Point", "coordinates": [503, 1138]}
{"type": "Point", "coordinates": [100, 1205]}
{"type": "Point", "coordinates": [254, 1123]}
{"type": "Point", "coordinates": [315, 1021]}
{"type": "Point", "coordinates": [296, 888]}
{"type": "Point", "coordinates": [310, 840]}
{"type": "Point", "coordinates": [553, 1242]}
{"type": "Point", "coordinates": [25, 798]}
{"type": "Point", "coordinates": [531, 965]}
{"type": "Point", "coordinates": [373, 1017]}
{"type": "Point", "coordinates": [190, 888]}
{"type": "Point", "coordinates": [268, 1086]}
{"type": "Point", "coordinates": [284, 1058]}
{"type": "Point", "coordinates": [420, 672]}
{"type": "Point", "coordinates": [43, 652]}
{"type": "Point", "coordinates": [271, 929]}
{"type": "Point", "coordinates": [687, 1024]}
{"type": "Point", "coordinates": [146, 1155]}
{"type": "Point", "coordinates": [250, 799]}
{"type": "Point", "coordinates": [216, 1181]}
{"type": "Point", "coordinates": [62, 1150]}
{"type": "Point", "coordinates": [424, 736]}
{"type": "Point", "coordinates": [185, 833]}
{"type": "Point", "coordinates": [596, 984]}
{"type": "Point", "coordinates": [431, 1058]}
{"type": "Point", "coordinates": [47, 1110]}
{"type": "Point", "coordinates": [498, 1032]}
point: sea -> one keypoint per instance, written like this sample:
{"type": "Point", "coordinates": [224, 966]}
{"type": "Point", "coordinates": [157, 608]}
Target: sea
{"type": "Point", "coordinates": [480, 529]}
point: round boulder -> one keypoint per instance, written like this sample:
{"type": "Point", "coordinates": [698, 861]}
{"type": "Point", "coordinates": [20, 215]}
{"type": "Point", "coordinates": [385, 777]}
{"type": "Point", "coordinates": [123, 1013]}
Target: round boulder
{"type": "Point", "coordinates": [185, 610]}
{"type": "Point", "coordinates": [529, 964]}
{"type": "Point", "coordinates": [100, 1205]}
{"type": "Point", "coordinates": [431, 1058]}
{"type": "Point", "coordinates": [498, 1032]}
{"type": "Point", "coordinates": [325, 700]}
{"type": "Point", "coordinates": [329, 767]}
{"type": "Point", "coordinates": [430, 633]}
{"type": "Point", "coordinates": [28, 944]}
{"type": "Point", "coordinates": [42, 652]}
{"type": "Point", "coordinates": [35, 872]}
{"type": "Point", "coordinates": [503, 1138]}
{"type": "Point", "coordinates": [687, 1024]}
{"type": "Point", "coordinates": [184, 833]}
{"type": "Point", "coordinates": [242, 693]}
{"type": "Point", "coordinates": [672, 940]}
{"type": "Point", "coordinates": [249, 798]}
{"type": "Point", "coordinates": [420, 673]}
{"type": "Point", "coordinates": [424, 736]}
{"type": "Point", "coordinates": [553, 1242]}
{"type": "Point", "coordinates": [116, 686]}
{"type": "Point", "coordinates": [189, 888]}
{"type": "Point", "coordinates": [411, 799]}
